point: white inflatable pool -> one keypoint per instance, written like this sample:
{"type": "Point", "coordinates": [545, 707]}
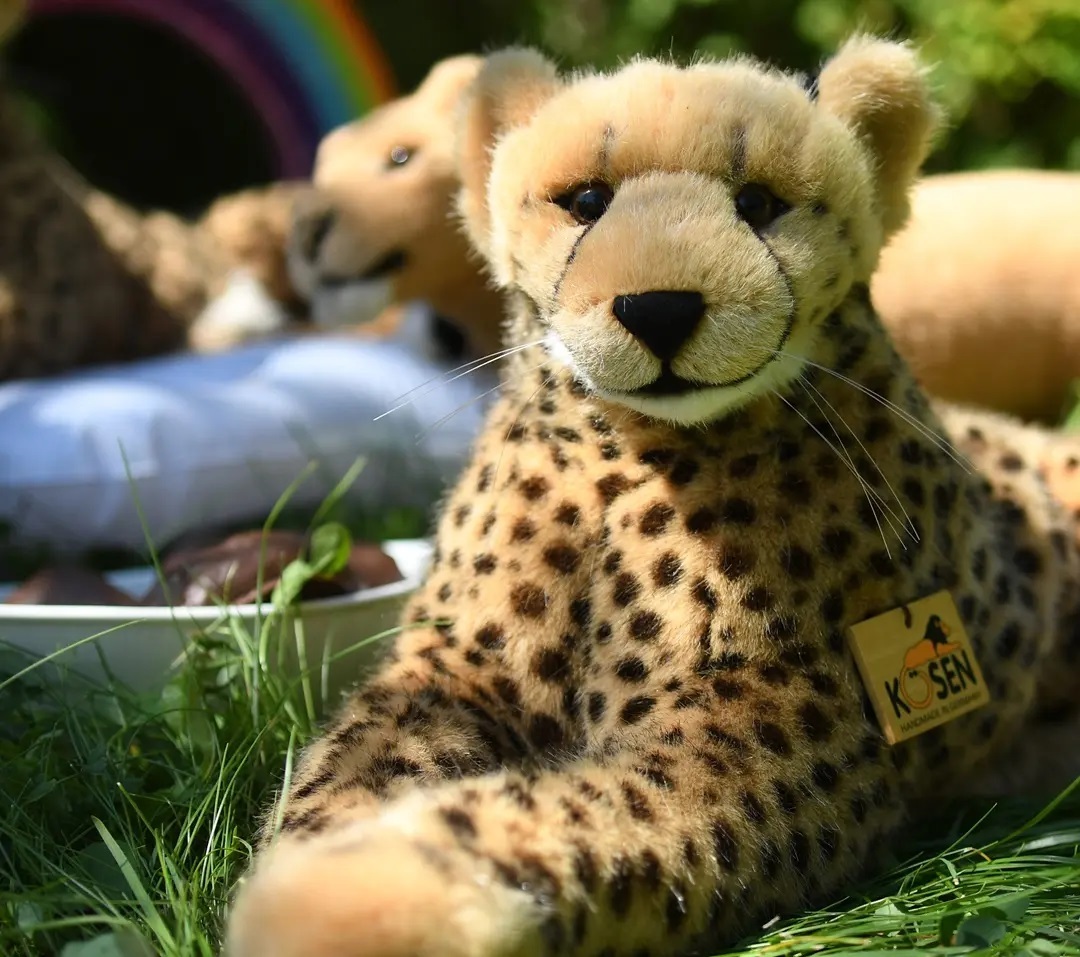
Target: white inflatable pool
{"type": "Point", "coordinates": [207, 440]}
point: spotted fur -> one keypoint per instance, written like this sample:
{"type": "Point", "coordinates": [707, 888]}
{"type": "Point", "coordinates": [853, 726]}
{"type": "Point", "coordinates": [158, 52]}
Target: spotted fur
{"type": "Point", "coordinates": [623, 719]}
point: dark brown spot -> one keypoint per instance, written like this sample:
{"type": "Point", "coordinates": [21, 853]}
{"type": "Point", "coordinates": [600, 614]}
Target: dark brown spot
{"type": "Point", "coordinates": [621, 887]}
{"type": "Point", "coordinates": [523, 531]}
{"type": "Point", "coordinates": [725, 845]}
{"type": "Point", "coordinates": [655, 519]}
{"type": "Point", "coordinates": [772, 737]}
{"type": "Point", "coordinates": [757, 598]}
{"type": "Point", "coordinates": [667, 570]}
{"type": "Point", "coordinates": [611, 486]}
{"type": "Point", "coordinates": [738, 511]}
{"type": "Point", "coordinates": [552, 666]}
{"type": "Point", "coordinates": [728, 689]}
{"type": "Point", "coordinates": [753, 808]}
{"type": "Point", "coordinates": [535, 488]}
{"type": "Point", "coordinates": [744, 466]}
{"type": "Point", "coordinates": [785, 797]}
{"type": "Point", "coordinates": [1028, 561]}
{"type": "Point", "coordinates": [597, 706]}
{"type": "Point", "coordinates": [562, 557]}
{"type": "Point", "coordinates": [460, 822]}
{"type": "Point", "coordinates": [581, 612]}
{"type": "Point", "coordinates": [683, 472]}
{"type": "Point", "coordinates": [545, 732]}
{"type": "Point", "coordinates": [585, 869]}
{"type": "Point", "coordinates": [626, 591]}
{"type": "Point", "coordinates": [491, 637]}
{"type": "Point", "coordinates": [484, 564]}
{"type": "Point", "coordinates": [636, 802]}
{"type": "Point", "coordinates": [825, 775]}
{"type": "Point", "coordinates": [632, 670]}
{"type": "Point", "coordinates": [832, 607]}
{"type": "Point", "coordinates": [507, 689]}
{"type": "Point", "coordinates": [645, 625]}
{"type": "Point", "coordinates": [567, 514]}
{"type": "Point", "coordinates": [702, 521]}
{"type": "Point", "coordinates": [636, 708]}
{"type": "Point", "coordinates": [703, 594]}
{"type": "Point", "coordinates": [528, 600]}
{"type": "Point", "coordinates": [797, 562]}
{"type": "Point", "coordinates": [837, 542]}
{"type": "Point", "coordinates": [734, 561]}
{"type": "Point", "coordinates": [816, 725]}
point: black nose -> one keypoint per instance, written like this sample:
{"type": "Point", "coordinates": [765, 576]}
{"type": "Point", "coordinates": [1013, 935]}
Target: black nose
{"type": "Point", "coordinates": [662, 320]}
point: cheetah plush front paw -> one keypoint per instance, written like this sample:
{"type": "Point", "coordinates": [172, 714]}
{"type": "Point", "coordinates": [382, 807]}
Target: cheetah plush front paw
{"type": "Point", "coordinates": [367, 895]}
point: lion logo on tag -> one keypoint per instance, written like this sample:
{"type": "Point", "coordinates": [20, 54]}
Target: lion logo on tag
{"type": "Point", "coordinates": [917, 683]}
{"type": "Point", "coordinates": [933, 669]}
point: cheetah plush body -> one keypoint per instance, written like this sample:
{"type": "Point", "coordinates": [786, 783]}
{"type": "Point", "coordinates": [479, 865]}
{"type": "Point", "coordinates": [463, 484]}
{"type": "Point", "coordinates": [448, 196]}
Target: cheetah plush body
{"type": "Point", "coordinates": [623, 719]}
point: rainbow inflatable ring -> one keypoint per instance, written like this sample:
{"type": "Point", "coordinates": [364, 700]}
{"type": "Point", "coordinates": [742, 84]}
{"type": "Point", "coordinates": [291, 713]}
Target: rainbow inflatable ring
{"type": "Point", "coordinates": [306, 66]}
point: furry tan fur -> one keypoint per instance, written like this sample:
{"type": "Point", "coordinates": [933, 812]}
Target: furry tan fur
{"type": "Point", "coordinates": [623, 718]}
{"type": "Point", "coordinates": [367, 207]}
{"type": "Point", "coordinates": [982, 290]}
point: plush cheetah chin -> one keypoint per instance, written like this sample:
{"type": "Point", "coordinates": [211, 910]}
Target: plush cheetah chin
{"type": "Point", "coordinates": [625, 719]}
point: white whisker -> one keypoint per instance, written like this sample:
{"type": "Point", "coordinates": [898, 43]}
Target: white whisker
{"type": "Point", "coordinates": [906, 523]}
{"type": "Point", "coordinates": [939, 441]}
{"type": "Point", "coordinates": [423, 433]}
{"type": "Point", "coordinates": [871, 493]}
{"type": "Point", "coordinates": [858, 478]}
{"type": "Point", "coordinates": [473, 366]}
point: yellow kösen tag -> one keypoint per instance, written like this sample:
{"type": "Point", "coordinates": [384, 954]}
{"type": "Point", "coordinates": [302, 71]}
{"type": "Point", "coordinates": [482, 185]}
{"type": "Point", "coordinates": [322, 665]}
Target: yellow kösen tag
{"type": "Point", "coordinates": [918, 666]}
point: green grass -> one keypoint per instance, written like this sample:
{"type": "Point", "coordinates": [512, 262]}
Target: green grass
{"type": "Point", "coordinates": [126, 821]}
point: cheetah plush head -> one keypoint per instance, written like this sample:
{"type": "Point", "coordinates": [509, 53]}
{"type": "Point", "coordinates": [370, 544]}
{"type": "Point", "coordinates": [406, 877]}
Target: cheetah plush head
{"type": "Point", "coordinates": [680, 234]}
{"type": "Point", "coordinates": [376, 228]}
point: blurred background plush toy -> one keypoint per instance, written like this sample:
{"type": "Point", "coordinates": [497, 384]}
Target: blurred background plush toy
{"type": "Point", "coordinates": [982, 290]}
{"type": "Point", "coordinates": [86, 279]}
{"type": "Point", "coordinates": [378, 229]}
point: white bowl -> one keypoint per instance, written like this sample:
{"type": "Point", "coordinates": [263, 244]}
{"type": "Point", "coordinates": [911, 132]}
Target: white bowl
{"type": "Point", "coordinates": [139, 646]}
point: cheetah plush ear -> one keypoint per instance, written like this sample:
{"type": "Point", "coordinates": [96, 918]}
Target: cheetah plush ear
{"type": "Point", "coordinates": [448, 79]}
{"type": "Point", "coordinates": [510, 88]}
{"type": "Point", "coordinates": [879, 89]}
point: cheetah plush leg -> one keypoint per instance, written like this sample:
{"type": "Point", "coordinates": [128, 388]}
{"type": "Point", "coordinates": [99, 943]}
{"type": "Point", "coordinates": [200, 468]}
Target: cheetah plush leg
{"type": "Point", "coordinates": [407, 727]}
{"type": "Point", "coordinates": [707, 824]}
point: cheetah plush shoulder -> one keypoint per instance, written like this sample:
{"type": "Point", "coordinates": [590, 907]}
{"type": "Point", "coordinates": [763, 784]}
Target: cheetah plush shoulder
{"type": "Point", "coordinates": [624, 719]}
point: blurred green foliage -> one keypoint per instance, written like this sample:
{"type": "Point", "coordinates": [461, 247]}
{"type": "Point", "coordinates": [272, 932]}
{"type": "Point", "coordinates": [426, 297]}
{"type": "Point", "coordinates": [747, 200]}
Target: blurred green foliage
{"type": "Point", "coordinates": [1007, 71]}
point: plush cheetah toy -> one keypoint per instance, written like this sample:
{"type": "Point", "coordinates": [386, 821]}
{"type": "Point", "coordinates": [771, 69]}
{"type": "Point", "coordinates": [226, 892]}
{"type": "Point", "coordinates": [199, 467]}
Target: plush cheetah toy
{"type": "Point", "coordinates": [624, 718]}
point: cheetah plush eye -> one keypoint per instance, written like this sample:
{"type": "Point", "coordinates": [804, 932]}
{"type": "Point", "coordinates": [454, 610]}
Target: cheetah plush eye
{"type": "Point", "coordinates": [757, 206]}
{"type": "Point", "coordinates": [399, 156]}
{"type": "Point", "coordinates": [588, 202]}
